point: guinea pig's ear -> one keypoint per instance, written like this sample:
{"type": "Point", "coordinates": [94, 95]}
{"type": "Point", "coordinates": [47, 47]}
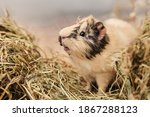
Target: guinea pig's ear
{"type": "Point", "coordinates": [102, 30]}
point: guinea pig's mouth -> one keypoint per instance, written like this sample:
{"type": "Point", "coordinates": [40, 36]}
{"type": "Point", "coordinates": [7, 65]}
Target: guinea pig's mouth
{"type": "Point", "coordinates": [65, 47]}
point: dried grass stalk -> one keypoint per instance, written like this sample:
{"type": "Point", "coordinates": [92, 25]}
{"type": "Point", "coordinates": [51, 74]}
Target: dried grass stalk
{"type": "Point", "coordinates": [17, 56]}
{"type": "Point", "coordinates": [133, 67]}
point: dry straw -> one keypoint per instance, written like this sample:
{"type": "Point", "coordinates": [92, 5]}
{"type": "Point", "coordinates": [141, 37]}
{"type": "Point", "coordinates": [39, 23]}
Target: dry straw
{"type": "Point", "coordinates": [133, 67]}
{"type": "Point", "coordinates": [25, 74]}
{"type": "Point", "coordinates": [17, 56]}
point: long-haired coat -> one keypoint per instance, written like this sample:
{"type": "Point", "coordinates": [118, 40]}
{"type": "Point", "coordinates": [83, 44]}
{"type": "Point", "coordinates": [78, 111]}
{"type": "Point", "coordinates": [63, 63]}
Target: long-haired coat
{"type": "Point", "coordinates": [91, 45]}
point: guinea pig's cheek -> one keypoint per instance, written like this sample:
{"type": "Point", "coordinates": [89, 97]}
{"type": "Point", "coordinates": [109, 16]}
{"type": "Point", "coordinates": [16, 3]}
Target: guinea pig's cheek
{"type": "Point", "coordinates": [67, 42]}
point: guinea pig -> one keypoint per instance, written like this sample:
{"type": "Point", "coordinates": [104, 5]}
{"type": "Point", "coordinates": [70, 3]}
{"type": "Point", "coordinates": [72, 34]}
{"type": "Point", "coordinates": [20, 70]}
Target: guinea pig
{"type": "Point", "coordinates": [91, 45]}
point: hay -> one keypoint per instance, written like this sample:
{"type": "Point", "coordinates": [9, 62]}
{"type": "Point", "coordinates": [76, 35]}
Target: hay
{"type": "Point", "coordinates": [25, 74]}
{"type": "Point", "coordinates": [9, 28]}
{"type": "Point", "coordinates": [17, 56]}
{"type": "Point", "coordinates": [55, 79]}
{"type": "Point", "coordinates": [133, 67]}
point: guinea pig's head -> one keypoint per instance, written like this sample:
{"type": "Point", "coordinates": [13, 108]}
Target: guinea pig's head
{"type": "Point", "coordinates": [85, 39]}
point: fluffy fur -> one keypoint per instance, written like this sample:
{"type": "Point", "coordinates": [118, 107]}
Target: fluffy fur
{"type": "Point", "coordinates": [91, 45]}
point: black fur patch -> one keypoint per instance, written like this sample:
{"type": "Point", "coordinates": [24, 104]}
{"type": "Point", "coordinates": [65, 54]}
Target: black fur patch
{"type": "Point", "coordinates": [97, 47]}
{"type": "Point", "coordinates": [92, 34]}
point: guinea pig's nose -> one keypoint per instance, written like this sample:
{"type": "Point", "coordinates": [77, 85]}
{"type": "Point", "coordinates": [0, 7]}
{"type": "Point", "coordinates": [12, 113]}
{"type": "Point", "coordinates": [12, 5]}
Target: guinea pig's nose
{"type": "Point", "coordinates": [60, 40]}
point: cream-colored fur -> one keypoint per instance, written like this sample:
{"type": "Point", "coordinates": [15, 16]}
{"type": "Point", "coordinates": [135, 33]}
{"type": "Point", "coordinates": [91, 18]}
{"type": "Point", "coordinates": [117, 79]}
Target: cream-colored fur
{"type": "Point", "coordinates": [100, 67]}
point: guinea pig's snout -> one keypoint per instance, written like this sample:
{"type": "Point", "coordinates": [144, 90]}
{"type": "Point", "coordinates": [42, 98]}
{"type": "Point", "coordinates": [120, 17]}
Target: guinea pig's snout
{"type": "Point", "coordinates": [60, 40]}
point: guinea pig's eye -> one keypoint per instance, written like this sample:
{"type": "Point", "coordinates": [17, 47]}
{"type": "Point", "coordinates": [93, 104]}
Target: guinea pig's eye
{"type": "Point", "coordinates": [82, 33]}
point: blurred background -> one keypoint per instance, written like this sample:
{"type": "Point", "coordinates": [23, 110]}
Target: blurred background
{"type": "Point", "coordinates": [44, 18]}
